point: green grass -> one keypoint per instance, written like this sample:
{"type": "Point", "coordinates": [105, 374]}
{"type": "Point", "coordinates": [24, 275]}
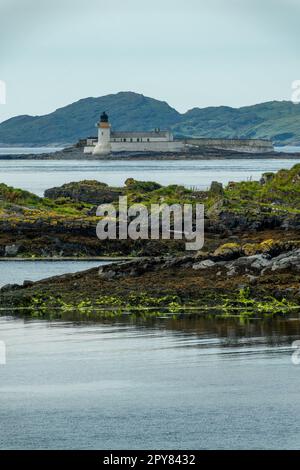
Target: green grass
{"type": "Point", "coordinates": [280, 194]}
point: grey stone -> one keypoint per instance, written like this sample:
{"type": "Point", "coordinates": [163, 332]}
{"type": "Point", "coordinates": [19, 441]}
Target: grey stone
{"type": "Point", "coordinates": [171, 262]}
{"type": "Point", "coordinates": [261, 262]}
{"type": "Point", "coordinates": [243, 261]}
{"type": "Point", "coordinates": [253, 261]}
{"type": "Point", "coordinates": [231, 272]}
{"type": "Point", "coordinates": [286, 261]}
{"type": "Point", "coordinates": [11, 250]}
{"type": "Point", "coordinates": [207, 263]}
{"type": "Point", "coordinates": [134, 272]}
{"type": "Point", "coordinates": [107, 274]}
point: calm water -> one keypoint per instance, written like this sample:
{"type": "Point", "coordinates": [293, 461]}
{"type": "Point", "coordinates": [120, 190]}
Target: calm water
{"type": "Point", "coordinates": [16, 272]}
{"type": "Point", "coordinates": [288, 149]}
{"type": "Point", "coordinates": [169, 385]}
{"type": "Point", "coordinates": [36, 176]}
{"type": "Point", "coordinates": [27, 150]}
{"type": "Point", "coordinates": [37, 150]}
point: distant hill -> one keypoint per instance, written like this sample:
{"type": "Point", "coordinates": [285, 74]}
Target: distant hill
{"type": "Point", "coordinates": [276, 120]}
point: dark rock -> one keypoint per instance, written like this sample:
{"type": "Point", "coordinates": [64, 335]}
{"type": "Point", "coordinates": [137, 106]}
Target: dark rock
{"type": "Point", "coordinates": [9, 287]}
{"type": "Point", "coordinates": [142, 186]}
{"type": "Point", "coordinates": [107, 274]}
{"type": "Point", "coordinates": [207, 263]}
{"type": "Point", "coordinates": [134, 273]}
{"type": "Point", "coordinates": [231, 271]}
{"type": "Point", "coordinates": [216, 188]}
{"type": "Point", "coordinates": [216, 209]}
{"type": "Point", "coordinates": [255, 261]}
{"type": "Point", "coordinates": [89, 191]}
{"type": "Point", "coordinates": [266, 178]}
{"type": "Point", "coordinates": [286, 261]}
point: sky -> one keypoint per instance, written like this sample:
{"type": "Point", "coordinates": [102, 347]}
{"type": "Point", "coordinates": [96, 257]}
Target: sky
{"type": "Point", "coordinates": [190, 53]}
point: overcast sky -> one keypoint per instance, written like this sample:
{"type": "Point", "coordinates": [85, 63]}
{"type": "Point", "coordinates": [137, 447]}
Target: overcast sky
{"type": "Point", "coordinates": [188, 52]}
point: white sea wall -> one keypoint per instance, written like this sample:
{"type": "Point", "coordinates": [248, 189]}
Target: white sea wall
{"type": "Point", "coordinates": [161, 146]}
{"type": "Point", "coordinates": [239, 145]}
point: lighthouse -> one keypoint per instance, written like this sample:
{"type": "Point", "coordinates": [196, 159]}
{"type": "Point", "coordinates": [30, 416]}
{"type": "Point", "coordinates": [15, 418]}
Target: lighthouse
{"type": "Point", "coordinates": [111, 141]}
{"type": "Point", "coordinates": [103, 147]}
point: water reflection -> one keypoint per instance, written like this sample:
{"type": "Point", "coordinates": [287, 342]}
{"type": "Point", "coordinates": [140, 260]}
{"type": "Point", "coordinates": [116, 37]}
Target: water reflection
{"type": "Point", "coordinates": [170, 384]}
{"type": "Point", "coordinates": [226, 332]}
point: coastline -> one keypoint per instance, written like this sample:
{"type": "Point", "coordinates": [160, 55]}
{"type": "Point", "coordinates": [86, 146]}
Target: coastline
{"type": "Point", "coordinates": [69, 258]}
{"type": "Point", "coordinates": [74, 153]}
{"type": "Point", "coordinates": [190, 286]}
{"type": "Point", "coordinates": [249, 265]}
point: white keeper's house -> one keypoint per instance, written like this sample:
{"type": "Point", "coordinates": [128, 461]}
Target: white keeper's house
{"type": "Point", "coordinates": [110, 141]}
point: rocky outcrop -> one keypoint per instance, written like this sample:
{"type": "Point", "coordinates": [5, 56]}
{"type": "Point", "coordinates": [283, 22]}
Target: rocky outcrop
{"type": "Point", "coordinates": [191, 153]}
{"type": "Point", "coordinates": [89, 191]}
{"type": "Point", "coordinates": [64, 223]}
{"type": "Point", "coordinates": [185, 285]}
{"type": "Point", "coordinates": [216, 188]}
{"type": "Point", "coordinates": [255, 264]}
{"type": "Point", "coordinates": [207, 263]}
{"type": "Point", "coordinates": [290, 260]}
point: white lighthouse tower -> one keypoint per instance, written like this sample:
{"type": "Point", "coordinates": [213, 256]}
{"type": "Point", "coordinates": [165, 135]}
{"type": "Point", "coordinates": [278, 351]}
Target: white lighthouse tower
{"type": "Point", "coordinates": [103, 146]}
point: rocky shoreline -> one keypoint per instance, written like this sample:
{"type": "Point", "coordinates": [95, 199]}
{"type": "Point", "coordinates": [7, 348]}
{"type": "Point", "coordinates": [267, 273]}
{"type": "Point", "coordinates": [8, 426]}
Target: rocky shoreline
{"type": "Point", "coordinates": [202, 153]}
{"type": "Point", "coordinates": [226, 282]}
{"type": "Point", "coordinates": [249, 265]}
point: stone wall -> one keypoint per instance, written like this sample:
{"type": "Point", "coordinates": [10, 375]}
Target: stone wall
{"type": "Point", "coordinates": [174, 146]}
{"type": "Point", "coordinates": [239, 145]}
